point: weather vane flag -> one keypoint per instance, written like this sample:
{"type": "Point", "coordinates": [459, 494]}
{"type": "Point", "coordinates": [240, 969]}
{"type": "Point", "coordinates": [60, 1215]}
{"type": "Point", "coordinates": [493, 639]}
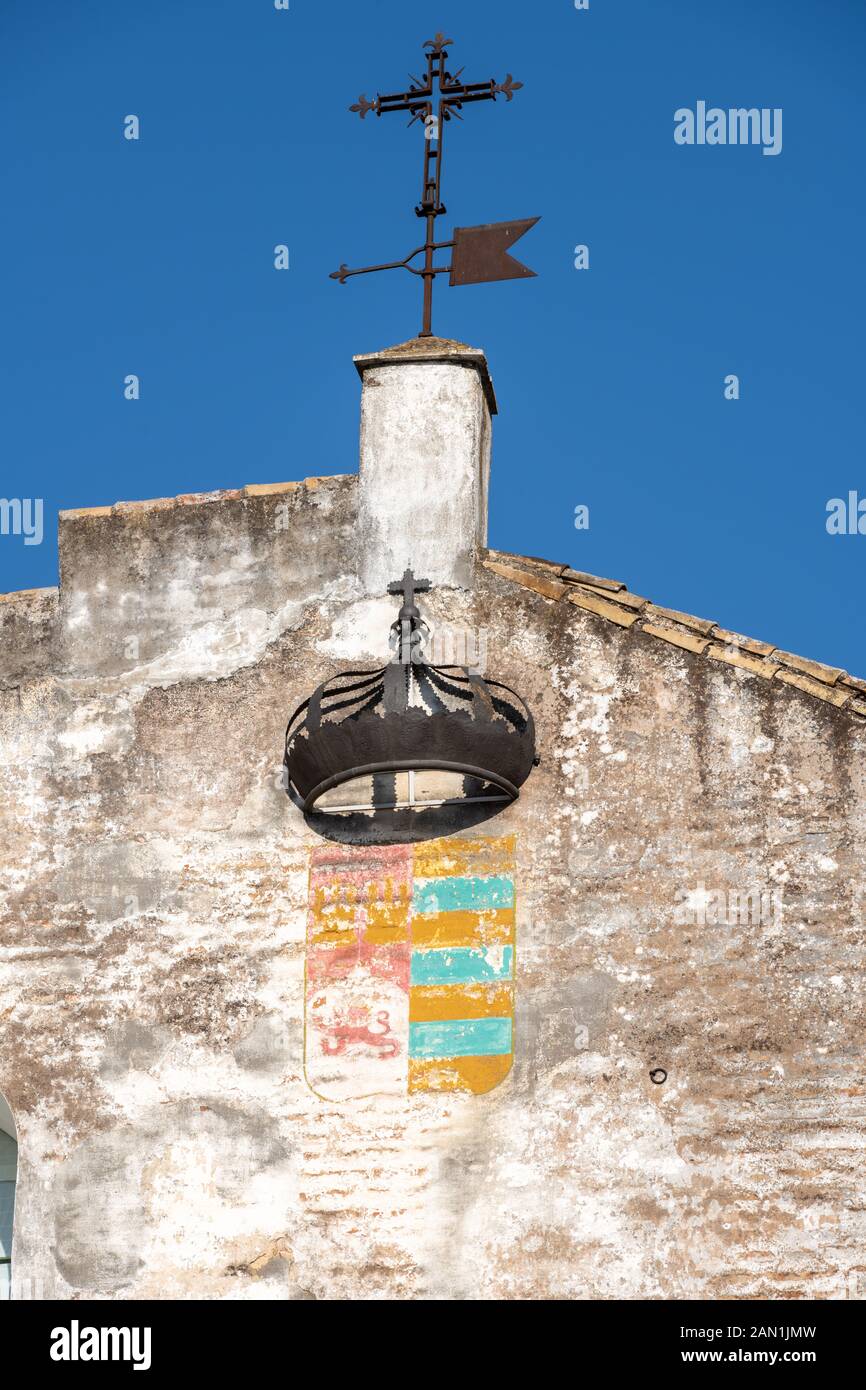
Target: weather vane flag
{"type": "Point", "coordinates": [477, 253]}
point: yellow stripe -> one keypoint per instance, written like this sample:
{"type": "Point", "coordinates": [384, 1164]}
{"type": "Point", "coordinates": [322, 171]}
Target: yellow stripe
{"type": "Point", "coordinates": [478, 855]}
{"type": "Point", "coordinates": [332, 929]}
{"type": "Point", "coordinates": [475, 1074]}
{"type": "Point", "coordinates": [433, 1003]}
{"type": "Point", "coordinates": [387, 922]}
{"type": "Point", "coordinates": [464, 928]}
{"type": "Point", "coordinates": [330, 936]}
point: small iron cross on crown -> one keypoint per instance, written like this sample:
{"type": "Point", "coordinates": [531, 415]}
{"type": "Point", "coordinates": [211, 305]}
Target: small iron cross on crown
{"type": "Point", "coordinates": [409, 586]}
{"type": "Point", "coordinates": [408, 629]}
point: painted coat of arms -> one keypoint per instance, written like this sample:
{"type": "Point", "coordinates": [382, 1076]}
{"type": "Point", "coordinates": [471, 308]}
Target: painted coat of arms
{"type": "Point", "coordinates": [410, 967]}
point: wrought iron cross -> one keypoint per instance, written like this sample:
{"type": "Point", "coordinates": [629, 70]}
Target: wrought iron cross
{"type": "Point", "coordinates": [409, 586]}
{"type": "Point", "coordinates": [409, 618]}
{"type": "Point", "coordinates": [480, 253]}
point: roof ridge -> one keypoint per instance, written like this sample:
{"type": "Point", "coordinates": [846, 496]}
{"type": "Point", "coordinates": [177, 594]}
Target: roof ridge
{"type": "Point", "coordinates": [191, 499]}
{"type": "Point", "coordinates": [612, 600]}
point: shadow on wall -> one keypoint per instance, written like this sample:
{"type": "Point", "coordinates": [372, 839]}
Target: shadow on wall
{"type": "Point", "coordinates": [393, 827]}
{"type": "Point", "coordinates": [8, 1169]}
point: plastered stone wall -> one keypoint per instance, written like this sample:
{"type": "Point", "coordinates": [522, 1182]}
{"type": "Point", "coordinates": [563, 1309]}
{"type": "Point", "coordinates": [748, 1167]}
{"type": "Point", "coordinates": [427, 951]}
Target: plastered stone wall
{"type": "Point", "coordinates": [424, 462]}
{"type": "Point", "coordinates": [152, 926]}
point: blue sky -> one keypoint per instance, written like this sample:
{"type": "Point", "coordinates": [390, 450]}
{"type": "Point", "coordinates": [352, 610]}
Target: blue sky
{"type": "Point", "coordinates": [155, 257]}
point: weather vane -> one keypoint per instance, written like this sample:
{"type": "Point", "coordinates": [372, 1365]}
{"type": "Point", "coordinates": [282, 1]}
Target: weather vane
{"type": "Point", "coordinates": [478, 253]}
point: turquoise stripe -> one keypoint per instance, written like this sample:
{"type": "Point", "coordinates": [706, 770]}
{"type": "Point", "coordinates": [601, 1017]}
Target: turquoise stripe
{"type": "Point", "coordinates": [469, 894]}
{"type": "Point", "coordinates": [461, 965]}
{"type": "Point", "coordinates": [461, 1037]}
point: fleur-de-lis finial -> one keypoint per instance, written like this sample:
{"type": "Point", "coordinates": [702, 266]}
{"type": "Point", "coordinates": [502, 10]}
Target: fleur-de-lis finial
{"type": "Point", "coordinates": [439, 43]}
{"type": "Point", "coordinates": [508, 87]}
{"type": "Point", "coordinates": [362, 106]}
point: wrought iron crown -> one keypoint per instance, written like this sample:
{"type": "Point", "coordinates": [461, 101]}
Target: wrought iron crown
{"type": "Point", "coordinates": [405, 724]}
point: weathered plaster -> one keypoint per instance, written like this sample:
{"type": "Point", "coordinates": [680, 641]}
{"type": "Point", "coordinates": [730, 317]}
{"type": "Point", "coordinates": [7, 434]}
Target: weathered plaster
{"type": "Point", "coordinates": [425, 462]}
{"type": "Point", "coordinates": [152, 927]}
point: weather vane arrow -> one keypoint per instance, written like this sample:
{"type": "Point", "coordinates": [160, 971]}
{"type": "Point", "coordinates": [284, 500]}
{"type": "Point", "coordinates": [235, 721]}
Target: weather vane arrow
{"type": "Point", "coordinates": [479, 254]}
